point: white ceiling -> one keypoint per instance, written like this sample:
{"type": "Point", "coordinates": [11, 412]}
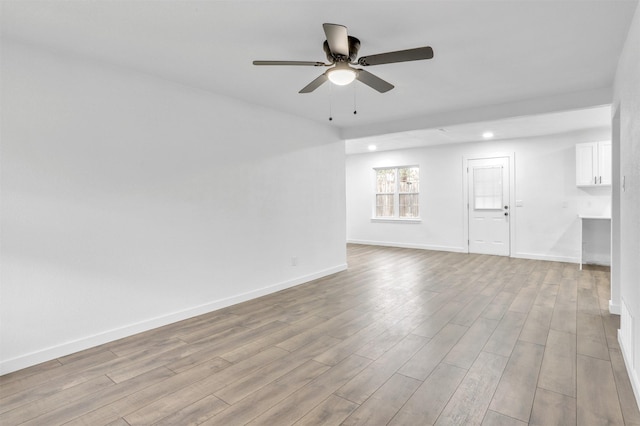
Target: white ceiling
{"type": "Point", "coordinates": [487, 53]}
{"type": "Point", "coordinates": [505, 129]}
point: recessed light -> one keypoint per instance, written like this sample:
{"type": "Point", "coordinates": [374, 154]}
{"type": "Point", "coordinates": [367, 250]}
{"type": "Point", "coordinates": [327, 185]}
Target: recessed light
{"type": "Point", "coordinates": [372, 147]}
{"type": "Point", "coordinates": [487, 135]}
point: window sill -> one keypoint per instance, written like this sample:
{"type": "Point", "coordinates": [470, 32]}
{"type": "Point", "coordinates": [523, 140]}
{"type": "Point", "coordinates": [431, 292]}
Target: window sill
{"type": "Point", "coordinates": [396, 220]}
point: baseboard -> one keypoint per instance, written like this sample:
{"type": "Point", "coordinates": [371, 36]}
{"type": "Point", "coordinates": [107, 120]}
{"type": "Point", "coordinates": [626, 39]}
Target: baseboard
{"type": "Point", "coordinates": [531, 256]}
{"type": "Point", "coordinates": [603, 260]}
{"type": "Point", "coordinates": [614, 308]}
{"type": "Point", "coordinates": [409, 245]}
{"type": "Point", "coordinates": [631, 372]}
{"type": "Point", "coordinates": [551, 258]}
{"type": "Point", "coordinates": [53, 352]}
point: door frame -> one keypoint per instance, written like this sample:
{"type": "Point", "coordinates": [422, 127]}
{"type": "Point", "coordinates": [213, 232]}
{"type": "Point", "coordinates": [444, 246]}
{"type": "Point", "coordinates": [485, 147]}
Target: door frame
{"type": "Point", "coordinates": [512, 195]}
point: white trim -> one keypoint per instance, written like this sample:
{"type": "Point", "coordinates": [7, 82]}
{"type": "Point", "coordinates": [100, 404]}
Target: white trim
{"type": "Point", "coordinates": [396, 220]}
{"type": "Point", "coordinates": [614, 308]}
{"type": "Point", "coordinates": [530, 256]}
{"type": "Point", "coordinates": [631, 372]}
{"type": "Point", "coordinates": [551, 258]}
{"type": "Point", "coordinates": [408, 245]}
{"type": "Point", "coordinates": [565, 259]}
{"type": "Point", "coordinates": [603, 260]}
{"type": "Point", "coordinates": [405, 166]}
{"type": "Point", "coordinates": [53, 352]}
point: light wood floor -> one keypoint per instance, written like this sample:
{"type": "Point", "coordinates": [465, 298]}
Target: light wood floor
{"type": "Point", "coordinates": [404, 337]}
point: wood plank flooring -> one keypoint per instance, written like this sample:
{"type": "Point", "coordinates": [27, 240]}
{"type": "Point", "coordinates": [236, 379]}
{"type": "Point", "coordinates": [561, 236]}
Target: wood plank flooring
{"type": "Point", "coordinates": [404, 337]}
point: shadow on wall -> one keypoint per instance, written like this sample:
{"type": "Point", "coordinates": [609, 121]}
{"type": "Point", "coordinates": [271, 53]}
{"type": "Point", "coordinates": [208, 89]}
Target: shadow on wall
{"type": "Point", "coordinates": [564, 245]}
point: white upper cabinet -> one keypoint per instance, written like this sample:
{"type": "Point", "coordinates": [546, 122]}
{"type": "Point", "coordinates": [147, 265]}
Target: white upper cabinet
{"type": "Point", "coordinates": [593, 164]}
{"type": "Point", "coordinates": [604, 162]}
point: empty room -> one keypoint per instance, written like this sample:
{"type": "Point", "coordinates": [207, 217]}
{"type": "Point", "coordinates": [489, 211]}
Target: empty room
{"type": "Point", "coordinates": [319, 212]}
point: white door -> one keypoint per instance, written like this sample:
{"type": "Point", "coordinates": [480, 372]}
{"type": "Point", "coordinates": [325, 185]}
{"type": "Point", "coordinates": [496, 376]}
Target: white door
{"type": "Point", "coordinates": [489, 206]}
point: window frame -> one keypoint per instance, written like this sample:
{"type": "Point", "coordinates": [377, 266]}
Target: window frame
{"type": "Point", "coordinates": [396, 196]}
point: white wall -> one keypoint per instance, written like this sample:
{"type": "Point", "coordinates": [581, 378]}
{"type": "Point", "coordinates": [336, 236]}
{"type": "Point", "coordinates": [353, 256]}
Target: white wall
{"type": "Point", "coordinates": [627, 103]}
{"type": "Point", "coordinates": [129, 202]}
{"type": "Point", "coordinates": [545, 227]}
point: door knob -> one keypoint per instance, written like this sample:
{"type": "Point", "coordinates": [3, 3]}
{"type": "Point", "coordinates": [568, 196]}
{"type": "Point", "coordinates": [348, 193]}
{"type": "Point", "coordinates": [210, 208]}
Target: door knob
{"type": "Point", "coordinates": [506, 213]}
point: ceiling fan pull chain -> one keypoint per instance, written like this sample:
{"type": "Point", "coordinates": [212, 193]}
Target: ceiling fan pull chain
{"type": "Point", "coordinates": [330, 99]}
{"type": "Point", "coordinates": [355, 109]}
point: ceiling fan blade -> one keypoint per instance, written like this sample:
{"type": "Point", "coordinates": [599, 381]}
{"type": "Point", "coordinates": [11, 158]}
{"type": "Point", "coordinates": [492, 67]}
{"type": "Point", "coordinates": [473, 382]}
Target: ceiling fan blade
{"type": "Point", "coordinates": [337, 38]}
{"type": "Point", "coordinates": [374, 82]}
{"type": "Point", "coordinates": [314, 84]}
{"type": "Point", "coordinates": [303, 63]}
{"type": "Point", "coordinates": [398, 56]}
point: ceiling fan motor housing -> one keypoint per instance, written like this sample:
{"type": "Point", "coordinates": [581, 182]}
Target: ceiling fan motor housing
{"type": "Point", "coordinates": [354, 46]}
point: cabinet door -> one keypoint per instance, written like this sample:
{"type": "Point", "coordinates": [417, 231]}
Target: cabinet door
{"type": "Point", "coordinates": [586, 154]}
{"type": "Point", "coordinates": [604, 163]}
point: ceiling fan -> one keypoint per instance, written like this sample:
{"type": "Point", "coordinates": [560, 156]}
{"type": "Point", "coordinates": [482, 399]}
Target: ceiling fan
{"type": "Point", "coordinates": [342, 50]}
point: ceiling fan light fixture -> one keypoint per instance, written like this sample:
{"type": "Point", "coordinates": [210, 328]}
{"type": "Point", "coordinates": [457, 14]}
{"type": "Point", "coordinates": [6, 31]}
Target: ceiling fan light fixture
{"type": "Point", "coordinates": [341, 76]}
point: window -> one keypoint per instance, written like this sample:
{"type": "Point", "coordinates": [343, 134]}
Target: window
{"type": "Point", "coordinates": [397, 192]}
{"type": "Point", "coordinates": [487, 188]}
